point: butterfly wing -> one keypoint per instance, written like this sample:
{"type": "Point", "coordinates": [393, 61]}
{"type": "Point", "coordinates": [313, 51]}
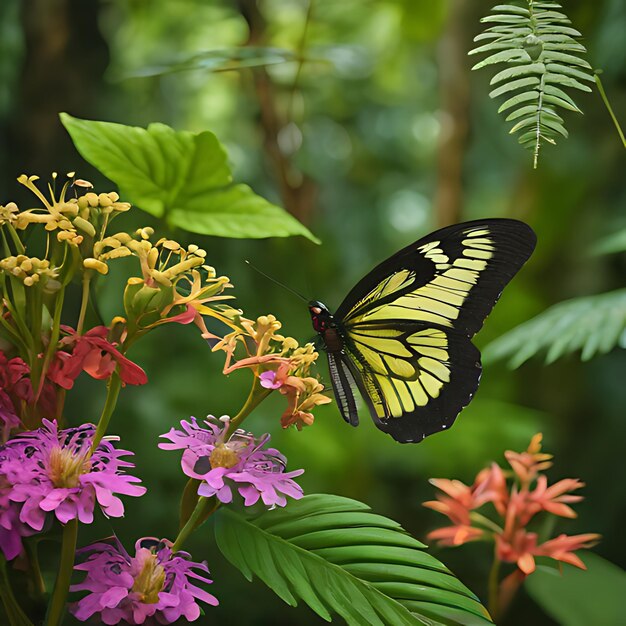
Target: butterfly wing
{"type": "Point", "coordinates": [407, 325]}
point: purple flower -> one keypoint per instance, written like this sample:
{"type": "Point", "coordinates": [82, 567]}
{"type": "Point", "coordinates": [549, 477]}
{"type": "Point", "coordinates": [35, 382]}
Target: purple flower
{"type": "Point", "coordinates": [154, 583]}
{"type": "Point", "coordinates": [50, 470]}
{"type": "Point", "coordinates": [11, 528]}
{"type": "Point", "coordinates": [240, 463]}
{"type": "Point", "coordinates": [269, 380]}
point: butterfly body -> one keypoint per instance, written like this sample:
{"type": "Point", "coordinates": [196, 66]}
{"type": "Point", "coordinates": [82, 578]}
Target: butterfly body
{"type": "Point", "coordinates": [402, 336]}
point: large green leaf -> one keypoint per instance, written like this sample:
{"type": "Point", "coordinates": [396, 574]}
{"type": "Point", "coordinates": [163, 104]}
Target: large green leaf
{"type": "Point", "coordinates": [594, 324]}
{"type": "Point", "coordinates": [180, 176]}
{"type": "Point", "coordinates": [581, 598]}
{"type": "Point", "coordinates": [338, 557]}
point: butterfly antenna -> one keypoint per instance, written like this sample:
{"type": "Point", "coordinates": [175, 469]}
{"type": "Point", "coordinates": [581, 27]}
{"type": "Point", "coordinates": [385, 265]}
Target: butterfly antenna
{"type": "Point", "coordinates": [293, 291]}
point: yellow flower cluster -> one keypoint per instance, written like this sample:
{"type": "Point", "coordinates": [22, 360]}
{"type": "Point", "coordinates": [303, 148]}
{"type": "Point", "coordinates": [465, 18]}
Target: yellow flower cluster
{"type": "Point", "coordinates": [8, 213]}
{"type": "Point", "coordinates": [31, 271]}
{"type": "Point", "coordinates": [281, 360]}
{"type": "Point", "coordinates": [72, 219]}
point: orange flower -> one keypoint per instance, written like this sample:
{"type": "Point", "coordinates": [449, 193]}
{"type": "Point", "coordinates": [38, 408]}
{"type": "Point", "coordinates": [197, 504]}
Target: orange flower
{"type": "Point", "coordinates": [302, 395]}
{"type": "Point", "coordinates": [553, 498]}
{"type": "Point", "coordinates": [521, 548]}
{"type": "Point", "coordinates": [455, 535]}
{"type": "Point", "coordinates": [528, 464]}
{"type": "Point", "coordinates": [518, 547]}
{"type": "Point", "coordinates": [490, 486]}
{"type": "Point", "coordinates": [562, 547]}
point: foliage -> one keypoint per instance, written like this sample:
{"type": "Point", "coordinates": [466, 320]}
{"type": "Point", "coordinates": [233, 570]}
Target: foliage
{"type": "Point", "coordinates": [181, 177]}
{"type": "Point", "coordinates": [543, 58]}
{"type": "Point", "coordinates": [576, 598]}
{"type": "Point", "coordinates": [615, 242]}
{"type": "Point", "coordinates": [337, 556]}
{"type": "Point", "coordinates": [594, 324]}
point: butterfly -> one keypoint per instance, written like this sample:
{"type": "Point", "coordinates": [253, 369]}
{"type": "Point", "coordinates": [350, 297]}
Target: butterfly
{"type": "Point", "coordinates": [402, 336]}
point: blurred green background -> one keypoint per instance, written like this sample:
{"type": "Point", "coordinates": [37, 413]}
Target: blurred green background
{"type": "Point", "coordinates": [382, 135]}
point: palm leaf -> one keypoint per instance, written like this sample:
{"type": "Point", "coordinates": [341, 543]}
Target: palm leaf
{"type": "Point", "coordinates": [338, 557]}
{"type": "Point", "coordinates": [540, 50]}
{"type": "Point", "coordinates": [593, 324]}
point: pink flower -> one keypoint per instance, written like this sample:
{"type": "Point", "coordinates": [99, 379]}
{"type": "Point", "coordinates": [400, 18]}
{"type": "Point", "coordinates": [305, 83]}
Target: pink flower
{"type": "Point", "coordinates": [269, 380]}
{"type": "Point", "coordinates": [11, 528]}
{"type": "Point", "coordinates": [239, 464]}
{"type": "Point", "coordinates": [94, 354]}
{"type": "Point", "coordinates": [51, 471]}
{"type": "Point", "coordinates": [155, 583]}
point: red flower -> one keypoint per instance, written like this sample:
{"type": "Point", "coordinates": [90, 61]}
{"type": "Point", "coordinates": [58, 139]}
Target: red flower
{"type": "Point", "coordinates": [18, 390]}
{"type": "Point", "coordinates": [94, 354]}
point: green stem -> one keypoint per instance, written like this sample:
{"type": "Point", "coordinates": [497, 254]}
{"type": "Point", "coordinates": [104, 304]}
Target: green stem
{"type": "Point", "coordinates": [113, 391]}
{"type": "Point", "coordinates": [17, 242]}
{"type": "Point", "coordinates": [204, 508]}
{"type": "Point", "coordinates": [38, 584]}
{"type": "Point", "coordinates": [609, 109]}
{"type": "Point", "coordinates": [83, 303]}
{"type": "Point", "coordinates": [13, 610]}
{"type": "Point", "coordinates": [493, 588]}
{"type": "Point", "coordinates": [55, 332]}
{"type": "Point", "coordinates": [255, 397]}
{"type": "Point", "coordinates": [64, 575]}
{"type": "Point", "coordinates": [485, 521]}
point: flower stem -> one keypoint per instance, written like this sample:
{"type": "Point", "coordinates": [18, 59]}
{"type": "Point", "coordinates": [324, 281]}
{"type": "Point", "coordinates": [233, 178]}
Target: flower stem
{"type": "Point", "coordinates": [83, 303]}
{"type": "Point", "coordinates": [609, 108]}
{"type": "Point", "coordinates": [255, 397]}
{"type": "Point", "coordinates": [37, 582]}
{"type": "Point", "coordinates": [13, 610]}
{"type": "Point", "coordinates": [62, 584]}
{"type": "Point", "coordinates": [485, 521]}
{"type": "Point", "coordinates": [493, 588]}
{"type": "Point", "coordinates": [113, 391]}
{"type": "Point", "coordinates": [204, 508]}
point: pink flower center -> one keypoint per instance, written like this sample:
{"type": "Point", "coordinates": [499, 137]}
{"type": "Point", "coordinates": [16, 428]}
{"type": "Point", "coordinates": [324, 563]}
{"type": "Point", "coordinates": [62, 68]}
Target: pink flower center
{"type": "Point", "coordinates": [223, 456]}
{"type": "Point", "coordinates": [65, 467]}
{"type": "Point", "coordinates": [151, 577]}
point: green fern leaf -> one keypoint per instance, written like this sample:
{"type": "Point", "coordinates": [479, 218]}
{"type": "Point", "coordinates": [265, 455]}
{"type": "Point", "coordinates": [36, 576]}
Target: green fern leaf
{"type": "Point", "coordinates": [338, 557]}
{"type": "Point", "coordinates": [593, 324]}
{"type": "Point", "coordinates": [540, 50]}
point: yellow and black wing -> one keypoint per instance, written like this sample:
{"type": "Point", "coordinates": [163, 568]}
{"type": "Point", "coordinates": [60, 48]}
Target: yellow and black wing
{"type": "Point", "coordinates": [407, 326]}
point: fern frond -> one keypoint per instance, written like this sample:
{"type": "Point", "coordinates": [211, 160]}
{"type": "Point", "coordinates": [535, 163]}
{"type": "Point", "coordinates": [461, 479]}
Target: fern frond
{"type": "Point", "coordinates": [339, 557]}
{"type": "Point", "coordinates": [593, 324]}
{"type": "Point", "coordinates": [543, 58]}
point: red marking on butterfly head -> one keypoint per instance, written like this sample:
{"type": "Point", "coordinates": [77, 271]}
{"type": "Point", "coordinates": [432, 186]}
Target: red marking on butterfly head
{"type": "Point", "coordinates": [320, 316]}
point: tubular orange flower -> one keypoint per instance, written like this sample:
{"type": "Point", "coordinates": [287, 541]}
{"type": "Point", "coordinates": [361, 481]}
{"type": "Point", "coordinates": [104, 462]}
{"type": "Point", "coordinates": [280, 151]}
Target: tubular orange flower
{"type": "Point", "coordinates": [553, 498]}
{"type": "Point", "coordinates": [562, 547]}
{"type": "Point", "coordinates": [528, 464]}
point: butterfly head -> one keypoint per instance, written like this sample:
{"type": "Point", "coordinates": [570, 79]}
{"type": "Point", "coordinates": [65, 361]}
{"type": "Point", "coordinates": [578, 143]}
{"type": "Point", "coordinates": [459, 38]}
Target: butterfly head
{"type": "Point", "coordinates": [320, 316]}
